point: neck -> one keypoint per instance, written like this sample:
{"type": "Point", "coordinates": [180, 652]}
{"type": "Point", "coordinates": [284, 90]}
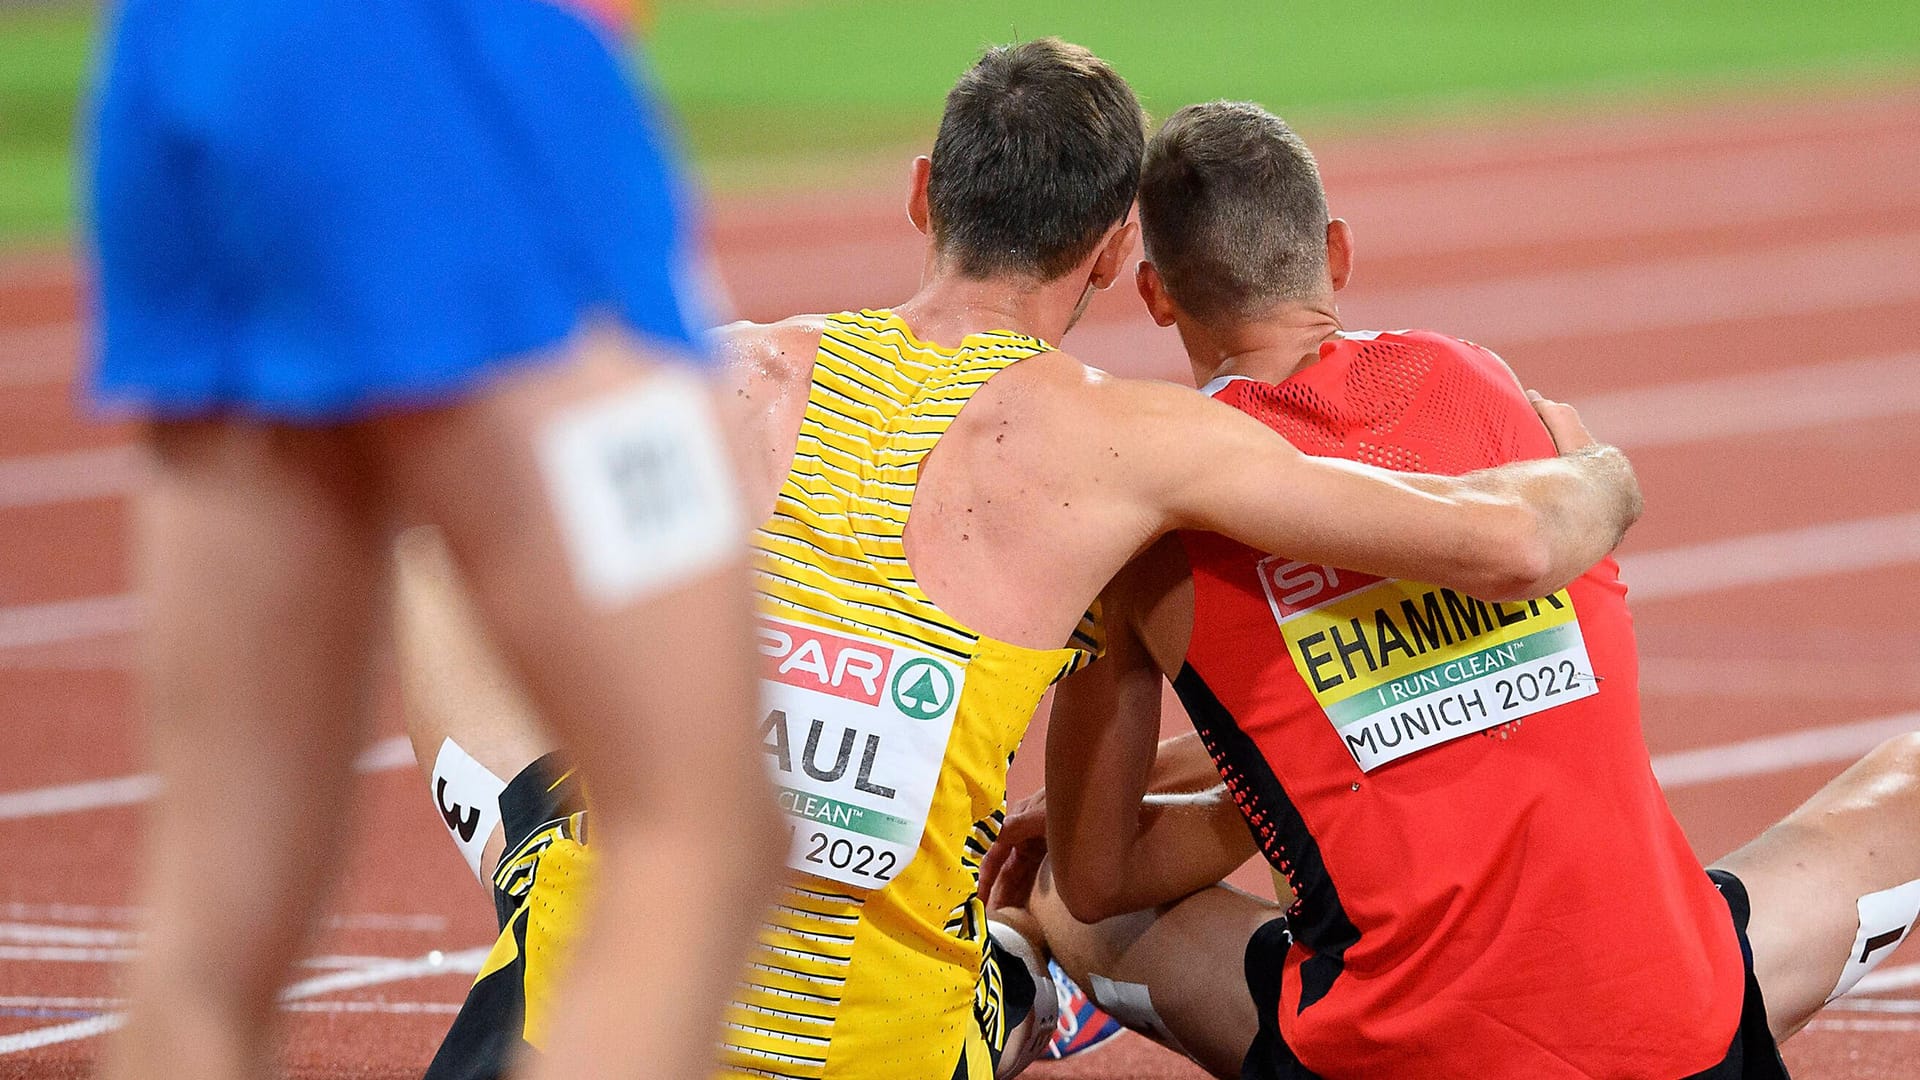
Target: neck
{"type": "Point", "coordinates": [1269, 348]}
{"type": "Point", "coordinates": [948, 306]}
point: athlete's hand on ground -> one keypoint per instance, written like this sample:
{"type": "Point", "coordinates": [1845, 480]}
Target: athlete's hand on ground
{"type": "Point", "coordinates": [1563, 423]}
{"type": "Point", "coordinates": [1012, 865]}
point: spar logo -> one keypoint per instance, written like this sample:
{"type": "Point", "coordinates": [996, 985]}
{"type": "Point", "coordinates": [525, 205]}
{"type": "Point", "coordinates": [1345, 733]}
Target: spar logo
{"type": "Point", "coordinates": [827, 663]}
{"type": "Point", "coordinates": [923, 689]}
{"type": "Point", "coordinates": [1293, 587]}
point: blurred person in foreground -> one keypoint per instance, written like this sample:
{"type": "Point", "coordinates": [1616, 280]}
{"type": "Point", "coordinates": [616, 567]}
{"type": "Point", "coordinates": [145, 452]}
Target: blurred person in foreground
{"type": "Point", "coordinates": [944, 494]}
{"type": "Point", "coordinates": [420, 259]}
{"type": "Point", "coordinates": [1454, 795]}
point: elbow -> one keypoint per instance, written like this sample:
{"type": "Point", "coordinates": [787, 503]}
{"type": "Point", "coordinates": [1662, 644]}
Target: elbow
{"type": "Point", "coordinates": [1517, 561]}
{"type": "Point", "coordinates": [1087, 902]}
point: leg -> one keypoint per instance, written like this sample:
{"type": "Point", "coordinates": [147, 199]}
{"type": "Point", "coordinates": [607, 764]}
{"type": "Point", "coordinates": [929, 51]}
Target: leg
{"type": "Point", "coordinates": [653, 692]}
{"type": "Point", "coordinates": [261, 562]}
{"type": "Point", "coordinates": [1857, 836]}
{"type": "Point", "coordinates": [1016, 936]}
{"type": "Point", "coordinates": [1173, 973]}
{"type": "Point", "coordinates": [456, 687]}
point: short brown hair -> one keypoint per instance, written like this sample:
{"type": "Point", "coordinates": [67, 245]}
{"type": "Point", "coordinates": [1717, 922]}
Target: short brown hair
{"type": "Point", "coordinates": [1038, 155]}
{"type": "Point", "coordinates": [1232, 211]}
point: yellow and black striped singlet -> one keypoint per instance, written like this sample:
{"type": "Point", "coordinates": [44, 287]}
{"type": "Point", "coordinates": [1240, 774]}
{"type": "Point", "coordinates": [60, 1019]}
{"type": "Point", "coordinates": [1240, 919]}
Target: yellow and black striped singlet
{"type": "Point", "coordinates": [888, 983]}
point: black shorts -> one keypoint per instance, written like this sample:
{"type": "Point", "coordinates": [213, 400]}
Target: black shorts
{"type": "Point", "coordinates": [1753, 1055]}
{"type": "Point", "coordinates": [1002, 1002]}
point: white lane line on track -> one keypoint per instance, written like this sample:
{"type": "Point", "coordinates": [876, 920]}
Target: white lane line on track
{"type": "Point", "coordinates": [465, 962]}
{"type": "Point", "coordinates": [1887, 980]}
{"type": "Point", "coordinates": [100, 1004]}
{"type": "Point", "coordinates": [123, 949]}
{"type": "Point", "coordinates": [1658, 294]}
{"type": "Point", "coordinates": [87, 795]}
{"type": "Point", "coordinates": [385, 922]}
{"type": "Point", "coordinates": [1769, 558]}
{"type": "Point", "coordinates": [14, 933]}
{"type": "Point", "coordinates": [1758, 559]}
{"type": "Point", "coordinates": [36, 1038]}
{"type": "Point", "coordinates": [32, 1002]}
{"type": "Point", "coordinates": [1510, 311]}
{"type": "Point", "coordinates": [43, 479]}
{"type": "Point", "coordinates": [1669, 414]}
{"type": "Point", "coordinates": [1513, 313]}
{"type": "Point", "coordinates": [1758, 403]}
{"type": "Point", "coordinates": [390, 753]}
{"type": "Point", "coordinates": [1761, 559]}
{"type": "Point", "coordinates": [121, 914]}
{"type": "Point", "coordinates": [51, 623]}
{"type": "Point", "coordinates": [1876, 1005]}
{"type": "Point", "coordinates": [1862, 1023]}
{"type": "Point", "coordinates": [62, 954]}
{"type": "Point", "coordinates": [1778, 753]}
{"type": "Point", "coordinates": [69, 913]}
{"type": "Point", "coordinates": [1781, 678]}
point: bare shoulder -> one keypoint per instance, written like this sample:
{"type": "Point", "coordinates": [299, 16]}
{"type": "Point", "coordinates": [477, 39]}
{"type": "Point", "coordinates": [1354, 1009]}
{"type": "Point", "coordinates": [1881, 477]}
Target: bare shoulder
{"type": "Point", "coordinates": [1141, 412]}
{"type": "Point", "coordinates": [757, 357]}
{"type": "Point", "coordinates": [1071, 384]}
{"type": "Point", "coordinates": [767, 372]}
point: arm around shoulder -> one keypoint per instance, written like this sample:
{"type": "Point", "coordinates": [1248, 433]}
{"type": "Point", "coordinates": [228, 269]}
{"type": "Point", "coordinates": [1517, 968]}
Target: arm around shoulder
{"type": "Point", "coordinates": [1515, 532]}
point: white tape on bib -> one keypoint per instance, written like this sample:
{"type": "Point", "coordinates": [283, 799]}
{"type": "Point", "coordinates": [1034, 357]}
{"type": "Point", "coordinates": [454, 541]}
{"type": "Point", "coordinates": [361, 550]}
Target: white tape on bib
{"type": "Point", "coordinates": [1400, 667]}
{"type": "Point", "coordinates": [467, 794]}
{"type": "Point", "coordinates": [1132, 1005]}
{"type": "Point", "coordinates": [643, 489]}
{"type": "Point", "coordinates": [1885, 919]}
{"type": "Point", "coordinates": [856, 737]}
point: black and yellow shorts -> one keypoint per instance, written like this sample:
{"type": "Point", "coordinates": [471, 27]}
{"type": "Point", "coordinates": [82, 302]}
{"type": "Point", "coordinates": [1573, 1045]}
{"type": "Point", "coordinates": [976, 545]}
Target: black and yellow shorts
{"type": "Point", "coordinates": [543, 814]}
{"type": "Point", "coordinates": [507, 1011]}
{"type": "Point", "coordinates": [1002, 1001]}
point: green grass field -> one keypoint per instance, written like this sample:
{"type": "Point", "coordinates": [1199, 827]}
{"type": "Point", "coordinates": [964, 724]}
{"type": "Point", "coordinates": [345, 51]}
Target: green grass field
{"type": "Point", "coordinates": [780, 92]}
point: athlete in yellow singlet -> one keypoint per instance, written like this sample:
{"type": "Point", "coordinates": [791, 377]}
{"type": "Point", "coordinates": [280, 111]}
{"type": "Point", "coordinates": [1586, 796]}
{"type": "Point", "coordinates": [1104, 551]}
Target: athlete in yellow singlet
{"type": "Point", "coordinates": [893, 724]}
{"type": "Point", "coordinates": [947, 492]}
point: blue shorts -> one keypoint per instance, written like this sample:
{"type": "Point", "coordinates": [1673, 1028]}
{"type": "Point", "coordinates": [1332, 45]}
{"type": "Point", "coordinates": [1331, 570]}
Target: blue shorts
{"type": "Point", "coordinates": [313, 211]}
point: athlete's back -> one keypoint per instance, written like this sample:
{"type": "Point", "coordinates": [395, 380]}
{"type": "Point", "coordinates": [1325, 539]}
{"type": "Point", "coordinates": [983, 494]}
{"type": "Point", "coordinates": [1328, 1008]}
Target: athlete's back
{"type": "Point", "coordinates": [952, 494]}
{"type": "Point", "coordinates": [889, 729]}
{"type": "Point", "coordinates": [1488, 880]}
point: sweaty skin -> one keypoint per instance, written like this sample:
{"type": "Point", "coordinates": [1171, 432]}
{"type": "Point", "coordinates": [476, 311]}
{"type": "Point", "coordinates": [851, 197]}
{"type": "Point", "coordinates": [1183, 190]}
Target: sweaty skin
{"type": "Point", "coordinates": [1056, 474]}
{"type": "Point", "coordinates": [1054, 449]}
{"type": "Point", "coordinates": [1138, 835]}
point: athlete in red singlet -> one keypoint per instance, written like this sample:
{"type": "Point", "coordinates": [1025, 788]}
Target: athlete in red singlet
{"type": "Point", "coordinates": [1486, 881]}
{"type": "Point", "coordinates": [1455, 791]}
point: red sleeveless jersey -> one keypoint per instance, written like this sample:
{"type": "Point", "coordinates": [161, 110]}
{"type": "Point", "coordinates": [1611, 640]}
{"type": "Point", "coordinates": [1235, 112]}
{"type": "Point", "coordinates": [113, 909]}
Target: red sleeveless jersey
{"type": "Point", "coordinates": [1488, 881]}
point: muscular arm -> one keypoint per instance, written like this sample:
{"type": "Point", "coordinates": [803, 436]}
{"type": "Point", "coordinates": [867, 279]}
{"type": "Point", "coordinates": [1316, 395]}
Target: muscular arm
{"type": "Point", "coordinates": [1514, 532]}
{"type": "Point", "coordinates": [1131, 825]}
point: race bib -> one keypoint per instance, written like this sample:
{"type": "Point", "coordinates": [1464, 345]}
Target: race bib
{"type": "Point", "coordinates": [855, 735]}
{"type": "Point", "coordinates": [1399, 666]}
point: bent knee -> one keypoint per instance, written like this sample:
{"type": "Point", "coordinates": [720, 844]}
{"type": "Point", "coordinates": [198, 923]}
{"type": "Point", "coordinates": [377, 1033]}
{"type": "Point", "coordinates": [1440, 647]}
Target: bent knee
{"type": "Point", "coordinates": [1899, 755]}
{"type": "Point", "coordinates": [1890, 770]}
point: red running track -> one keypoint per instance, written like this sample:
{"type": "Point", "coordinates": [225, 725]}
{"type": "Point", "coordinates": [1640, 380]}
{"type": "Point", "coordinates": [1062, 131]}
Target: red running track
{"type": "Point", "coordinates": [1733, 291]}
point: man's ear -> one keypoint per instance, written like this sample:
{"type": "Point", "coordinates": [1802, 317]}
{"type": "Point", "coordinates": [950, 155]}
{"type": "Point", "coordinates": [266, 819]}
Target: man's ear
{"type": "Point", "coordinates": [917, 195]}
{"type": "Point", "coordinates": [1153, 292]}
{"type": "Point", "coordinates": [1113, 254]}
{"type": "Point", "coordinates": [1339, 253]}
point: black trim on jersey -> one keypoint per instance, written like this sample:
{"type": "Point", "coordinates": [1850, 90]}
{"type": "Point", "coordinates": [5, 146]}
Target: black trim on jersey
{"type": "Point", "coordinates": [1317, 920]}
{"type": "Point", "coordinates": [487, 1035]}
